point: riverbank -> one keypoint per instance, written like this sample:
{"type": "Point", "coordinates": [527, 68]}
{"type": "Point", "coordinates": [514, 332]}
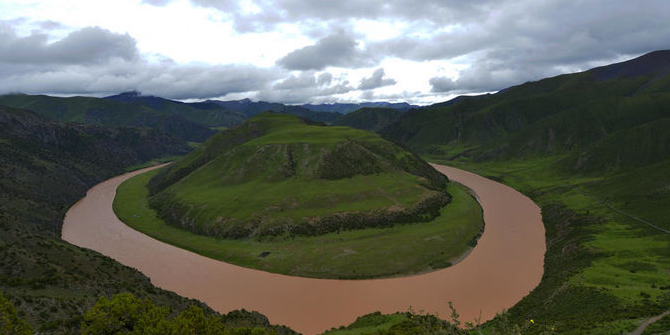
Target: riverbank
{"type": "Point", "coordinates": [511, 250]}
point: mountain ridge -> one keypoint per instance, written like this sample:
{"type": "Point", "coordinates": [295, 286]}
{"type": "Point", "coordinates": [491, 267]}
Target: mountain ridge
{"type": "Point", "coordinates": [562, 114]}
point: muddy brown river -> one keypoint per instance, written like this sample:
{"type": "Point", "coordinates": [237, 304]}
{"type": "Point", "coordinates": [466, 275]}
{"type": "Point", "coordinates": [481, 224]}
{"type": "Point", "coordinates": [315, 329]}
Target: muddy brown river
{"type": "Point", "coordinates": [506, 264]}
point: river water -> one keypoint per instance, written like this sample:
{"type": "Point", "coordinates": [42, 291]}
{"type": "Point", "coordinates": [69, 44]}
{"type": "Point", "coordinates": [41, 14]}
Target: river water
{"type": "Point", "coordinates": [506, 265]}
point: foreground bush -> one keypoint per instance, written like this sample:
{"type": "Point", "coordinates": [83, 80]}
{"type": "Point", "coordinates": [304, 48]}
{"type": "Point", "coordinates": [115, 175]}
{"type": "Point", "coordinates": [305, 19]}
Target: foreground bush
{"type": "Point", "coordinates": [127, 314]}
{"type": "Point", "coordinates": [10, 323]}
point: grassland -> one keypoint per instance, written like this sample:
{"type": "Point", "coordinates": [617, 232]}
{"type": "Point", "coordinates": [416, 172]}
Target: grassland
{"type": "Point", "coordinates": [365, 253]}
{"type": "Point", "coordinates": [593, 150]}
{"type": "Point", "coordinates": [606, 271]}
{"type": "Point", "coordinates": [285, 176]}
{"type": "Point", "coordinates": [606, 268]}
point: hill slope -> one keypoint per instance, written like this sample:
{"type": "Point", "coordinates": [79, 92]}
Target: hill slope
{"type": "Point", "coordinates": [592, 149]}
{"type": "Point", "coordinates": [109, 113]}
{"type": "Point", "coordinates": [206, 114]}
{"type": "Point", "coordinates": [45, 167]}
{"type": "Point", "coordinates": [575, 113]}
{"type": "Point", "coordinates": [279, 174]}
{"type": "Point", "coordinates": [348, 108]}
{"type": "Point", "coordinates": [368, 118]}
{"type": "Point", "coordinates": [252, 108]}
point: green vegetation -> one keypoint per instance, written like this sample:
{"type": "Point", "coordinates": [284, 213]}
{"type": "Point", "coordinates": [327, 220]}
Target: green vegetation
{"type": "Point", "coordinates": [592, 149]}
{"type": "Point", "coordinates": [189, 121]}
{"type": "Point", "coordinates": [372, 119]}
{"type": "Point", "coordinates": [348, 254]}
{"type": "Point", "coordinates": [45, 167]}
{"type": "Point", "coordinates": [604, 271]}
{"type": "Point", "coordinates": [659, 327]}
{"type": "Point", "coordinates": [10, 323]}
{"type": "Point", "coordinates": [279, 176]}
{"type": "Point", "coordinates": [185, 123]}
{"type": "Point", "coordinates": [370, 323]}
{"type": "Point", "coordinates": [412, 323]}
{"type": "Point", "coordinates": [399, 324]}
{"type": "Point", "coordinates": [126, 314]}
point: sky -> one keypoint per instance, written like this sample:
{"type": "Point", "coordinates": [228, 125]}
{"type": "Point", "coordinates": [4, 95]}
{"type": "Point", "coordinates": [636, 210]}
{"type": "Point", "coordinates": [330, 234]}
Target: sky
{"type": "Point", "coordinates": [315, 51]}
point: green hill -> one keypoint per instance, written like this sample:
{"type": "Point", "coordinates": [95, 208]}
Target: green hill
{"type": "Point", "coordinates": [252, 108]}
{"type": "Point", "coordinates": [45, 167]}
{"type": "Point", "coordinates": [108, 112]}
{"type": "Point", "coordinates": [593, 150]}
{"type": "Point", "coordinates": [278, 174]}
{"type": "Point", "coordinates": [369, 118]}
{"type": "Point", "coordinates": [282, 194]}
{"type": "Point", "coordinates": [576, 114]}
{"type": "Point", "coordinates": [206, 114]}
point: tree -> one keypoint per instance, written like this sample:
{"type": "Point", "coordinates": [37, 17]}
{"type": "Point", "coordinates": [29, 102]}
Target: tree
{"type": "Point", "coordinates": [124, 314]}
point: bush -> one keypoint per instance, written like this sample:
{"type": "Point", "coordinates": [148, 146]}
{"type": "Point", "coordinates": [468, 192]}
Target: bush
{"type": "Point", "coordinates": [10, 323]}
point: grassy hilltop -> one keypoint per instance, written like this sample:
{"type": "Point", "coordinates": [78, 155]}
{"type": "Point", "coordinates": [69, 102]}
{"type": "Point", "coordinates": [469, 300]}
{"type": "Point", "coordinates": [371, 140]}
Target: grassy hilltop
{"type": "Point", "coordinates": [278, 174]}
{"type": "Point", "coordinates": [284, 195]}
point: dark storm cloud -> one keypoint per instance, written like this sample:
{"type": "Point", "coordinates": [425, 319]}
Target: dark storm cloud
{"type": "Point", "coordinates": [532, 40]}
{"type": "Point", "coordinates": [495, 43]}
{"type": "Point", "coordinates": [339, 49]}
{"type": "Point", "coordinates": [85, 46]}
{"type": "Point", "coordinates": [507, 41]}
{"type": "Point", "coordinates": [376, 80]}
{"type": "Point", "coordinates": [273, 12]}
{"type": "Point", "coordinates": [96, 61]}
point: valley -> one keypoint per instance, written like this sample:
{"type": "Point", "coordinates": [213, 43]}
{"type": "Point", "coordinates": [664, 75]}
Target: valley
{"type": "Point", "coordinates": [510, 250]}
{"type": "Point", "coordinates": [335, 168]}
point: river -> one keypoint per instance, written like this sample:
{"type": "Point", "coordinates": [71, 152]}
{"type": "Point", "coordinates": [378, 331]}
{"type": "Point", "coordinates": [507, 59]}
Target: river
{"type": "Point", "coordinates": [506, 265]}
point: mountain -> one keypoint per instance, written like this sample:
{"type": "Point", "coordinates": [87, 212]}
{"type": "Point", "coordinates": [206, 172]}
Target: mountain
{"type": "Point", "coordinates": [369, 118]}
{"type": "Point", "coordinates": [348, 108]}
{"type": "Point", "coordinates": [45, 167]}
{"type": "Point", "coordinates": [592, 150]}
{"type": "Point", "coordinates": [278, 174]}
{"type": "Point", "coordinates": [586, 116]}
{"type": "Point", "coordinates": [206, 114]}
{"type": "Point", "coordinates": [109, 112]}
{"type": "Point", "coordinates": [252, 108]}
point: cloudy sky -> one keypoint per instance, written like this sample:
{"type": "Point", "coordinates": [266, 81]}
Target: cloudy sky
{"type": "Point", "coordinates": [298, 51]}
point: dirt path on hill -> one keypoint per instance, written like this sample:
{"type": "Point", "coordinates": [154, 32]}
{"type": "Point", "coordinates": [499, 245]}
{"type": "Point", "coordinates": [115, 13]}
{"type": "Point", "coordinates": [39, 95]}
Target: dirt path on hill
{"type": "Point", "coordinates": [506, 264]}
{"type": "Point", "coordinates": [646, 323]}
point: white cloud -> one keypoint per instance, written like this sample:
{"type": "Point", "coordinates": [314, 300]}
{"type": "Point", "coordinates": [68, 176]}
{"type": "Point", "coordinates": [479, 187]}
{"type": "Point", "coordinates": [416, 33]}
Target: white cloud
{"type": "Point", "coordinates": [434, 47]}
